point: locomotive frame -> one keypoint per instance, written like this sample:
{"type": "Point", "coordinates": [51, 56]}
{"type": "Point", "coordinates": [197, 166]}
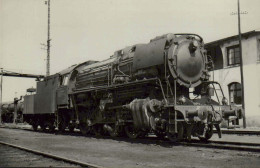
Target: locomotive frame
{"type": "Point", "coordinates": [140, 89]}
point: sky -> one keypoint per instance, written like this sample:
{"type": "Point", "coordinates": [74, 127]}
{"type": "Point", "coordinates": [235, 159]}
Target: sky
{"type": "Point", "coordinates": [84, 30]}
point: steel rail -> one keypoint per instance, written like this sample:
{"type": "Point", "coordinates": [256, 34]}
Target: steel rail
{"type": "Point", "coordinates": [229, 145]}
{"type": "Point", "coordinates": [235, 143]}
{"type": "Point", "coordinates": [52, 156]}
{"type": "Point", "coordinates": [240, 132]}
{"type": "Point", "coordinates": [222, 146]}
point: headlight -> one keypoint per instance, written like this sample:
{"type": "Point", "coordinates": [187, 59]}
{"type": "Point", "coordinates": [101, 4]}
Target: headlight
{"type": "Point", "coordinates": [195, 43]}
{"type": "Point", "coordinates": [224, 101]}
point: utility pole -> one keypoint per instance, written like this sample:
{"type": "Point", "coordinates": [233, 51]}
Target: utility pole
{"type": "Point", "coordinates": [241, 65]}
{"type": "Point", "coordinates": [241, 60]}
{"type": "Point", "coordinates": [48, 42]}
{"type": "Point", "coordinates": [1, 91]}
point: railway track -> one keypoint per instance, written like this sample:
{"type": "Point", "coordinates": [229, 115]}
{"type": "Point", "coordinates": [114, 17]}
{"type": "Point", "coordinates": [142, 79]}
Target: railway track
{"type": "Point", "coordinates": [228, 145]}
{"type": "Point", "coordinates": [239, 146]}
{"type": "Point", "coordinates": [231, 131]}
{"type": "Point", "coordinates": [239, 132]}
{"type": "Point", "coordinates": [39, 159]}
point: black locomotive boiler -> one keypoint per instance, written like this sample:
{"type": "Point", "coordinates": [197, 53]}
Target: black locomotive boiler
{"type": "Point", "coordinates": [140, 89]}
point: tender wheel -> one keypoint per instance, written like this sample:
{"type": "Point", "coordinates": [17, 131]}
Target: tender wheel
{"type": "Point", "coordinates": [35, 127]}
{"type": "Point", "coordinates": [84, 128]}
{"type": "Point", "coordinates": [62, 124]}
{"type": "Point", "coordinates": [174, 137]}
{"type": "Point", "coordinates": [43, 127]}
{"type": "Point", "coordinates": [71, 128]}
{"type": "Point", "coordinates": [52, 128]}
{"type": "Point", "coordinates": [50, 125]}
{"type": "Point", "coordinates": [131, 132]}
{"type": "Point", "coordinates": [208, 134]}
{"type": "Point", "coordinates": [62, 127]}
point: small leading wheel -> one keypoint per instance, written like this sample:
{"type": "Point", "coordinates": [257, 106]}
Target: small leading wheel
{"type": "Point", "coordinates": [175, 137]}
{"type": "Point", "coordinates": [131, 132]}
{"type": "Point", "coordinates": [208, 134]}
{"type": "Point", "coordinates": [117, 131]}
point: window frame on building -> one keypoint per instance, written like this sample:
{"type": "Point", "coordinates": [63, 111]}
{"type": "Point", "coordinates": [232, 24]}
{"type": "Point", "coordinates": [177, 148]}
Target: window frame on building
{"type": "Point", "coordinates": [236, 57]}
{"type": "Point", "coordinates": [234, 93]}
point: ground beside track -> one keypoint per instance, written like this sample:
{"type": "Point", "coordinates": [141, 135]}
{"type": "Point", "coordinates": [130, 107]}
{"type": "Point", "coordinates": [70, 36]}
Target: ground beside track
{"type": "Point", "coordinates": [116, 153]}
{"type": "Point", "coordinates": [12, 157]}
{"type": "Point", "coordinates": [237, 138]}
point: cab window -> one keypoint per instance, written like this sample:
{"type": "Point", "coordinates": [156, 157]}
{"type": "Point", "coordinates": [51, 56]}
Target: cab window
{"type": "Point", "coordinates": [64, 80]}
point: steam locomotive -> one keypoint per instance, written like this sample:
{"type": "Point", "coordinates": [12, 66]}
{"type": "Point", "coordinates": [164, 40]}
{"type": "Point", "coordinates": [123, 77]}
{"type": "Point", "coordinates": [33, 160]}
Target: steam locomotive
{"type": "Point", "coordinates": [8, 110]}
{"type": "Point", "coordinates": [161, 87]}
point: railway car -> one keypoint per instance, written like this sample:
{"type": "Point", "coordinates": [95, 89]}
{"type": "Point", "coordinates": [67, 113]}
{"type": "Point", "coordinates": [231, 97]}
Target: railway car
{"type": "Point", "coordinates": [8, 112]}
{"type": "Point", "coordinates": [161, 87]}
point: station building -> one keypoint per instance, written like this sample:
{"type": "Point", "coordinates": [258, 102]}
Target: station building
{"type": "Point", "coordinates": [226, 57]}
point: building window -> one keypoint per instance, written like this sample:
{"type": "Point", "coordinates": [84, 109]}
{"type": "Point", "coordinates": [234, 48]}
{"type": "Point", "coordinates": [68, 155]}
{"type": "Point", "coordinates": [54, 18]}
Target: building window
{"type": "Point", "coordinates": [233, 55]}
{"type": "Point", "coordinates": [235, 93]}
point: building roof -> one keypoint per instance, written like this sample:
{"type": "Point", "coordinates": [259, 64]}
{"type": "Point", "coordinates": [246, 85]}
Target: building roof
{"type": "Point", "coordinates": [235, 37]}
